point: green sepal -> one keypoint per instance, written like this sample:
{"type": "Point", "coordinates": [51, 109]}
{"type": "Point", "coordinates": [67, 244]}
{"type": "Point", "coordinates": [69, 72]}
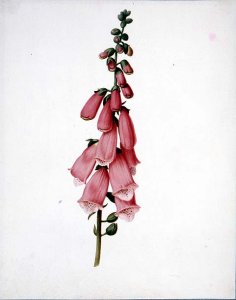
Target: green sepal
{"type": "Point", "coordinates": [106, 99]}
{"type": "Point", "coordinates": [91, 142]}
{"type": "Point", "coordinates": [112, 218]}
{"type": "Point", "coordinates": [110, 197]}
{"type": "Point", "coordinates": [118, 70]}
{"type": "Point", "coordinates": [110, 51]}
{"type": "Point", "coordinates": [128, 20]}
{"type": "Point", "coordinates": [115, 87]}
{"type": "Point", "coordinates": [123, 24]}
{"type": "Point", "coordinates": [105, 205]}
{"type": "Point", "coordinates": [94, 230]}
{"type": "Point", "coordinates": [90, 215]}
{"type": "Point", "coordinates": [125, 36]}
{"type": "Point", "coordinates": [112, 229]}
{"type": "Point", "coordinates": [102, 92]}
{"type": "Point", "coordinates": [125, 46]}
{"type": "Point", "coordinates": [115, 31]}
{"type": "Point", "coordinates": [123, 63]}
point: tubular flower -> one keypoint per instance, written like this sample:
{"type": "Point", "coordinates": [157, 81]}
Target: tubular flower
{"type": "Point", "coordinates": [95, 192]}
{"type": "Point", "coordinates": [120, 77]}
{"type": "Point", "coordinates": [84, 165]}
{"type": "Point", "coordinates": [126, 210]}
{"type": "Point", "coordinates": [131, 159]}
{"type": "Point", "coordinates": [106, 147]}
{"type": "Point", "coordinates": [115, 100]}
{"type": "Point", "coordinates": [91, 107]}
{"type": "Point", "coordinates": [111, 64]}
{"type": "Point", "coordinates": [106, 53]}
{"type": "Point", "coordinates": [122, 182]}
{"type": "Point", "coordinates": [126, 130]}
{"type": "Point", "coordinates": [105, 121]}
{"type": "Point", "coordinates": [126, 67]}
{"type": "Point", "coordinates": [127, 91]}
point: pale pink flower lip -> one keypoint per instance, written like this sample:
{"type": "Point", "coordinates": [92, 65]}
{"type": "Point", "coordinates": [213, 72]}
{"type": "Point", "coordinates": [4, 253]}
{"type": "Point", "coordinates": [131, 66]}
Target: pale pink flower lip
{"type": "Point", "coordinates": [122, 182]}
{"type": "Point", "coordinates": [105, 120]}
{"type": "Point", "coordinates": [126, 130]}
{"type": "Point", "coordinates": [126, 210]}
{"type": "Point", "coordinates": [95, 192]}
{"type": "Point", "coordinates": [91, 107]}
{"type": "Point", "coordinates": [84, 165]}
{"type": "Point", "coordinates": [106, 148]}
{"type": "Point", "coordinates": [131, 159]}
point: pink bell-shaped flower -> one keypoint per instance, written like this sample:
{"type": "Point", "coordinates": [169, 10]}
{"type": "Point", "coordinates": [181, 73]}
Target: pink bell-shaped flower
{"type": "Point", "coordinates": [126, 130]}
{"type": "Point", "coordinates": [95, 192]}
{"type": "Point", "coordinates": [126, 67]}
{"type": "Point", "coordinates": [84, 165]}
{"type": "Point", "coordinates": [115, 100]}
{"type": "Point", "coordinates": [131, 159]}
{"type": "Point", "coordinates": [127, 91]}
{"type": "Point", "coordinates": [91, 107]}
{"type": "Point", "coordinates": [106, 148]}
{"type": "Point", "coordinates": [126, 210]}
{"type": "Point", "coordinates": [122, 182]}
{"type": "Point", "coordinates": [120, 77]}
{"type": "Point", "coordinates": [105, 121]}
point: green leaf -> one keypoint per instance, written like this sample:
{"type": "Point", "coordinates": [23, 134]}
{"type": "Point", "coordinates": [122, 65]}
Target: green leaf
{"type": "Point", "coordinates": [105, 205]}
{"type": "Point", "coordinates": [94, 230]}
{"type": "Point", "coordinates": [128, 21]}
{"type": "Point", "coordinates": [112, 218]}
{"type": "Point", "coordinates": [112, 229]}
{"type": "Point", "coordinates": [91, 142]}
{"type": "Point", "coordinates": [90, 215]}
{"type": "Point", "coordinates": [110, 197]}
{"type": "Point", "coordinates": [102, 92]}
{"type": "Point", "coordinates": [125, 36]}
{"type": "Point", "coordinates": [115, 31]}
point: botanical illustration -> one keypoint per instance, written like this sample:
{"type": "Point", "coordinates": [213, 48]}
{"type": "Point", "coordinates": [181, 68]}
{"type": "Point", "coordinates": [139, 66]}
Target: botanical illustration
{"type": "Point", "coordinates": [111, 160]}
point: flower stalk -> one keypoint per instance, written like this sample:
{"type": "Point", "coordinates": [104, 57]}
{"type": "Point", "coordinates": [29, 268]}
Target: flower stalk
{"type": "Point", "coordinates": [102, 162]}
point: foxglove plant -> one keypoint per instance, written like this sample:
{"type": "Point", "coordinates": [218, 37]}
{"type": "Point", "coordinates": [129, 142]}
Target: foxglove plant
{"type": "Point", "coordinates": [102, 162]}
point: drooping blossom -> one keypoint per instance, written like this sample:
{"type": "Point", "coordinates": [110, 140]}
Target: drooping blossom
{"type": "Point", "coordinates": [111, 64]}
{"type": "Point", "coordinates": [106, 147]}
{"type": "Point", "coordinates": [126, 130]}
{"type": "Point", "coordinates": [115, 103]}
{"type": "Point", "coordinates": [126, 210]}
{"type": "Point", "coordinates": [105, 121]}
{"type": "Point", "coordinates": [131, 159]}
{"type": "Point", "coordinates": [126, 67]}
{"type": "Point", "coordinates": [120, 77]}
{"type": "Point", "coordinates": [108, 52]}
{"type": "Point", "coordinates": [84, 165]}
{"type": "Point", "coordinates": [95, 192]}
{"type": "Point", "coordinates": [123, 185]}
{"type": "Point", "coordinates": [127, 91]}
{"type": "Point", "coordinates": [91, 107]}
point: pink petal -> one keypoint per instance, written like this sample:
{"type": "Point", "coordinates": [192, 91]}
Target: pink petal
{"type": "Point", "coordinates": [106, 148]}
{"type": "Point", "coordinates": [105, 121]}
{"type": "Point", "coordinates": [126, 210]}
{"type": "Point", "coordinates": [126, 130]}
{"type": "Point", "coordinates": [91, 107]}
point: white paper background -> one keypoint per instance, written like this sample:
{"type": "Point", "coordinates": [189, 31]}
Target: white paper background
{"type": "Point", "coordinates": [181, 244]}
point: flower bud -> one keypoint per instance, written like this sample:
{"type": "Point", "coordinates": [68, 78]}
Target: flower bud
{"type": "Point", "coordinates": [121, 16]}
{"type": "Point", "coordinates": [116, 39]}
{"type": "Point", "coordinates": [130, 51]}
{"type": "Point", "coordinates": [126, 67]}
{"type": "Point", "coordinates": [127, 91]}
{"type": "Point", "coordinates": [120, 77]}
{"type": "Point", "coordinates": [119, 49]}
{"type": "Point", "coordinates": [122, 24]}
{"type": "Point", "coordinates": [111, 64]}
{"type": "Point", "coordinates": [115, 31]}
{"type": "Point", "coordinates": [125, 36]}
{"type": "Point", "coordinates": [108, 52]}
{"type": "Point", "coordinates": [115, 103]}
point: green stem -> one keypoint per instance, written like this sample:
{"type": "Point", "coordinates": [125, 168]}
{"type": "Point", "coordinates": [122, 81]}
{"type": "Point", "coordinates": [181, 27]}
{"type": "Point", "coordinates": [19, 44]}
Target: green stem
{"type": "Point", "coordinates": [98, 239]}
